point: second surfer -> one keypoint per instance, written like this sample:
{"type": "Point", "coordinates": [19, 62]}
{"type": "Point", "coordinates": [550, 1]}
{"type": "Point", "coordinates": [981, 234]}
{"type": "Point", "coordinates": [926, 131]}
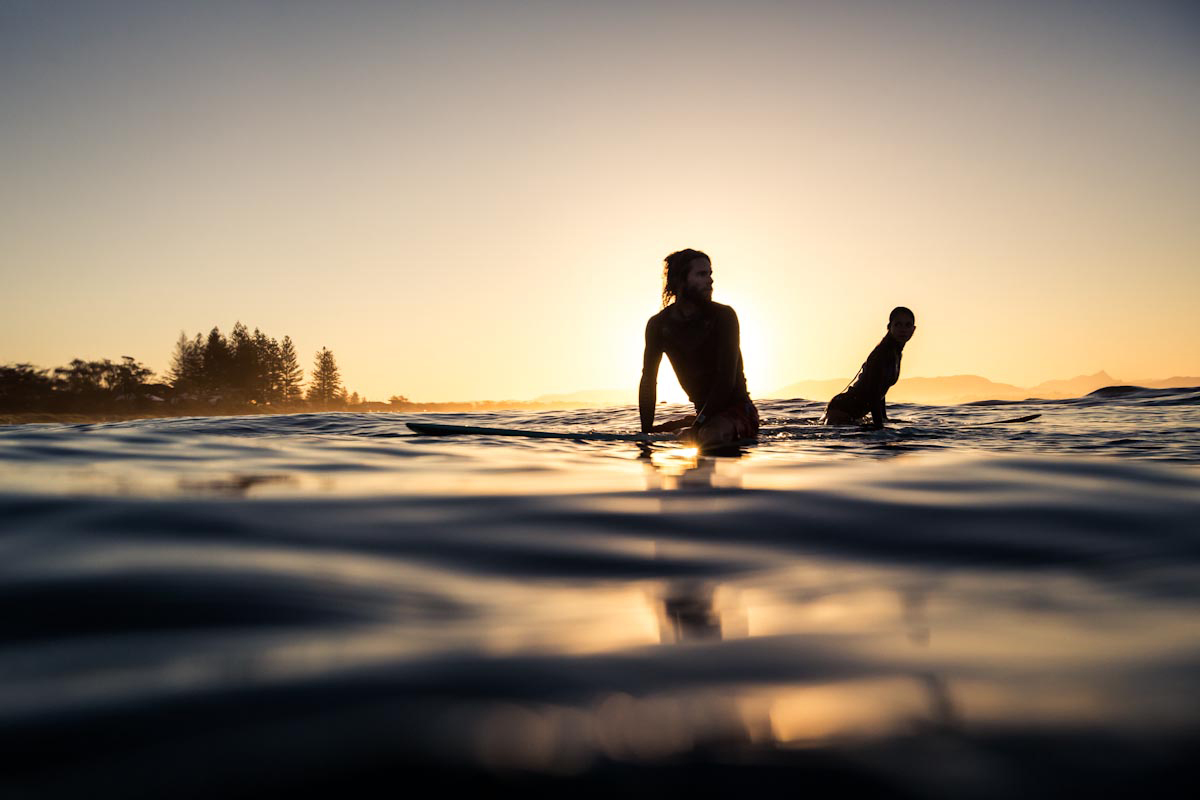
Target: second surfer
{"type": "Point", "coordinates": [879, 373]}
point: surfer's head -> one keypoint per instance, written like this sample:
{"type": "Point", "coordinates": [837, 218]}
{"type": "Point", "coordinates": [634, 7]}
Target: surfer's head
{"type": "Point", "coordinates": [687, 274]}
{"type": "Point", "coordinates": [901, 324]}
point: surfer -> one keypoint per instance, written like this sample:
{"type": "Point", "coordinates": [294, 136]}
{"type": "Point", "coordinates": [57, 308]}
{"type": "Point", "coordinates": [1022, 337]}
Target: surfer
{"type": "Point", "coordinates": [879, 373]}
{"type": "Point", "coordinates": [702, 341]}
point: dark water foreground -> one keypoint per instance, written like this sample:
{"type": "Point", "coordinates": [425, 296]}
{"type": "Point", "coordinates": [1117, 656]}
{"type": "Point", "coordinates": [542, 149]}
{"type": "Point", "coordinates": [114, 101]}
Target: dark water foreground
{"type": "Point", "coordinates": [251, 606]}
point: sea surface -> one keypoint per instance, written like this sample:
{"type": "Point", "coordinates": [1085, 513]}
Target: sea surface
{"type": "Point", "coordinates": [309, 603]}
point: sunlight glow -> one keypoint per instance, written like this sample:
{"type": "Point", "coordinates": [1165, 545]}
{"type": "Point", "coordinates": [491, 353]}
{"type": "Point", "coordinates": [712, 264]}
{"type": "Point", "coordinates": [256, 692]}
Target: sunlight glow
{"type": "Point", "coordinates": [495, 229]}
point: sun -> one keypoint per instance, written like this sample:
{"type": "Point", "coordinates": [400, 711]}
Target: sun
{"type": "Point", "coordinates": [758, 356]}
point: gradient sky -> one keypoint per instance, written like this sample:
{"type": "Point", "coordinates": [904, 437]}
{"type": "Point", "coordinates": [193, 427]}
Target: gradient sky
{"type": "Point", "coordinates": [468, 200]}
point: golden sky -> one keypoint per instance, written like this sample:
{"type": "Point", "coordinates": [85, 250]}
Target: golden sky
{"type": "Point", "coordinates": [472, 200]}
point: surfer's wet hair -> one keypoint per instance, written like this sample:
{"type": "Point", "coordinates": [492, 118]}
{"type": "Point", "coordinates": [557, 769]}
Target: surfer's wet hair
{"type": "Point", "coordinates": [900, 311]}
{"type": "Point", "coordinates": [675, 272]}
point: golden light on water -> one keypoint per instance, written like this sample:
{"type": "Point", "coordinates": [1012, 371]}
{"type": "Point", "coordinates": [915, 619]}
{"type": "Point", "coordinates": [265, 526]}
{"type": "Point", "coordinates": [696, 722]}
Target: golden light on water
{"type": "Point", "coordinates": [815, 715]}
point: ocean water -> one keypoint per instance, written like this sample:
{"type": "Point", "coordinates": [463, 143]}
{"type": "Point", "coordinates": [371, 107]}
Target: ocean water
{"type": "Point", "coordinates": [236, 606]}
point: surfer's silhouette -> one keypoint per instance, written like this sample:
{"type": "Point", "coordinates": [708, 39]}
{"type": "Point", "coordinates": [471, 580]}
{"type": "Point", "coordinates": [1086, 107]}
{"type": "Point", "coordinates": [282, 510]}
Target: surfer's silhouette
{"type": "Point", "coordinates": [879, 372]}
{"type": "Point", "coordinates": [689, 613]}
{"type": "Point", "coordinates": [701, 339]}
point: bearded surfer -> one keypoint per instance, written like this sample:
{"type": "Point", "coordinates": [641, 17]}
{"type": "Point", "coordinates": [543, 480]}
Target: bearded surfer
{"type": "Point", "coordinates": [701, 339]}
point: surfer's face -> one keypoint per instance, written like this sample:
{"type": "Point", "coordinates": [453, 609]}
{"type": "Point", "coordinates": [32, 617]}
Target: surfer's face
{"type": "Point", "coordinates": [697, 287]}
{"type": "Point", "coordinates": [902, 329]}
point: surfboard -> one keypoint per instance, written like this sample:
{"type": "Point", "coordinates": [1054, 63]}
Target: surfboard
{"type": "Point", "coordinates": [1014, 420]}
{"type": "Point", "coordinates": [438, 429]}
{"type": "Point", "coordinates": [1007, 421]}
{"type": "Point", "coordinates": [435, 429]}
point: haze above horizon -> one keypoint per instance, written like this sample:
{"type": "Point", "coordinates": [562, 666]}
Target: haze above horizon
{"type": "Point", "coordinates": [474, 199]}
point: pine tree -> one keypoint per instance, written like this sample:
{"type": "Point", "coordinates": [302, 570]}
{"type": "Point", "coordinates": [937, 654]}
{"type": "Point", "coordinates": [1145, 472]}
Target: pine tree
{"type": "Point", "coordinates": [187, 364]}
{"type": "Point", "coordinates": [216, 362]}
{"type": "Point", "coordinates": [326, 385]}
{"type": "Point", "coordinates": [291, 377]}
{"type": "Point", "coordinates": [243, 366]}
{"type": "Point", "coordinates": [270, 369]}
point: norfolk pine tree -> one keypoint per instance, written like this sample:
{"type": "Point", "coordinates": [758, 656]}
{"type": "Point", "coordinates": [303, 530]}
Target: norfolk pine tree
{"type": "Point", "coordinates": [326, 385]}
{"type": "Point", "coordinates": [291, 377]}
{"type": "Point", "coordinates": [187, 364]}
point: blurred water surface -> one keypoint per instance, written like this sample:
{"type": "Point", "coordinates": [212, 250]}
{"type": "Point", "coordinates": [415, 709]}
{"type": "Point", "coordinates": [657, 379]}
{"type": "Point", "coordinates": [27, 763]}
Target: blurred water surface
{"type": "Point", "coordinates": [948, 608]}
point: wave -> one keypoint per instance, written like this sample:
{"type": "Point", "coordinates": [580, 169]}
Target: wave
{"type": "Point", "coordinates": [227, 605]}
{"type": "Point", "coordinates": [1158, 397]}
{"type": "Point", "coordinates": [540, 641]}
{"type": "Point", "coordinates": [1006, 513]}
{"type": "Point", "coordinates": [1172, 396]}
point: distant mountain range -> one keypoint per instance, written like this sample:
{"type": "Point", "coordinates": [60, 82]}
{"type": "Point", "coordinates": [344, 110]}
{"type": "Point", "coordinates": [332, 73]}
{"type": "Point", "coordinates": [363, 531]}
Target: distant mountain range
{"type": "Point", "coordinates": [949, 390]}
{"type": "Point", "coordinates": [955, 389]}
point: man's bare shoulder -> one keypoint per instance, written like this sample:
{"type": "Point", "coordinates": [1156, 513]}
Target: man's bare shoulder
{"type": "Point", "coordinates": [722, 311]}
{"type": "Point", "coordinates": [670, 315]}
{"type": "Point", "coordinates": [660, 318]}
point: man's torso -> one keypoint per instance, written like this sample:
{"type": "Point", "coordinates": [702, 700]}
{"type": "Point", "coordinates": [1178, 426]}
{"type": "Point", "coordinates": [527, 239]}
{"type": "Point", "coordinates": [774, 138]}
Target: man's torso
{"type": "Point", "coordinates": [693, 344]}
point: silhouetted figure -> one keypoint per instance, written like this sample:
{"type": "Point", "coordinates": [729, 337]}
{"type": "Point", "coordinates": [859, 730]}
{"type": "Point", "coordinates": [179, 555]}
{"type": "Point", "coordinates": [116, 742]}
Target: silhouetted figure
{"type": "Point", "coordinates": [689, 613]}
{"type": "Point", "coordinates": [702, 341]}
{"type": "Point", "coordinates": [879, 373]}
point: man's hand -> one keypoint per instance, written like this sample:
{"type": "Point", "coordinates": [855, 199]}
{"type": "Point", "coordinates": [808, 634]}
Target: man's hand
{"type": "Point", "coordinates": [674, 425]}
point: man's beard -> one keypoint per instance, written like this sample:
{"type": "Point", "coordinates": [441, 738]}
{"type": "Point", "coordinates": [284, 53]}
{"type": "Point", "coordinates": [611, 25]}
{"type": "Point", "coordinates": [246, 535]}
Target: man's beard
{"type": "Point", "coordinates": [700, 297]}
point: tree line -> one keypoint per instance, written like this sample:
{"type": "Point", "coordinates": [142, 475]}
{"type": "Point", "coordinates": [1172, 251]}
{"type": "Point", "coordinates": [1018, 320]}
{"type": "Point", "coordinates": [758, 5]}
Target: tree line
{"type": "Point", "coordinates": [80, 384]}
{"type": "Point", "coordinates": [244, 370]}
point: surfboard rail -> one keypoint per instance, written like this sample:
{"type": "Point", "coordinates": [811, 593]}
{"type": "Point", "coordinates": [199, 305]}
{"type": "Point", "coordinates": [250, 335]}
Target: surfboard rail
{"type": "Point", "coordinates": [439, 429]}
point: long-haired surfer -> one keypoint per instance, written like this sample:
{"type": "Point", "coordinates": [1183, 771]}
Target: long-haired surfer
{"type": "Point", "coordinates": [702, 341]}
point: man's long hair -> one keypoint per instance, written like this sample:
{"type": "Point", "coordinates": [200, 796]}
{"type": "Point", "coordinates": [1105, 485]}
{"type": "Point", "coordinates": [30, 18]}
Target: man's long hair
{"type": "Point", "coordinates": [675, 272]}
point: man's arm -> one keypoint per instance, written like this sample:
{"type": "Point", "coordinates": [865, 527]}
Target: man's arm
{"type": "Point", "coordinates": [648, 389]}
{"type": "Point", "coordinates": [729, 348]}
